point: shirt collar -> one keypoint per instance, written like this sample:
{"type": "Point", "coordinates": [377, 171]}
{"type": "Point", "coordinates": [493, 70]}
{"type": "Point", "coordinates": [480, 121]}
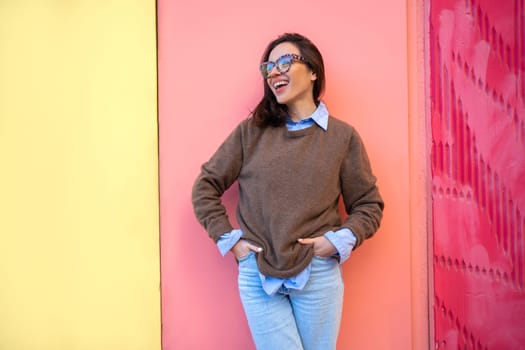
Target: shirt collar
{"type": "Point", "coordinates": [319, 116]}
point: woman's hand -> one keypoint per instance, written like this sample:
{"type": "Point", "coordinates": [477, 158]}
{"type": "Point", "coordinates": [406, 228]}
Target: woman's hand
{"type": "Point", "coordinates": [322, 246]}
{"type": "Point", "coordinates": [242, 248]}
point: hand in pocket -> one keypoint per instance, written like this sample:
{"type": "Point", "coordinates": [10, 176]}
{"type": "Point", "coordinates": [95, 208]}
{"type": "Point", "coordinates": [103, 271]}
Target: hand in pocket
{"type": "Point", "coordinates": [242, 248]}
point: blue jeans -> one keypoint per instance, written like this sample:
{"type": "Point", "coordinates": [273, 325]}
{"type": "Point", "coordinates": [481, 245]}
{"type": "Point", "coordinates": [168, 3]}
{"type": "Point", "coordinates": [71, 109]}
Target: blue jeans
{"type": "Point", "coordinates": [292, 319]}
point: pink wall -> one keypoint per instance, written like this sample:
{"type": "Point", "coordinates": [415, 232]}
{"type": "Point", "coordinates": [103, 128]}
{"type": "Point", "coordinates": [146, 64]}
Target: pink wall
{"type": "Point", "coordinates": [208, 82]}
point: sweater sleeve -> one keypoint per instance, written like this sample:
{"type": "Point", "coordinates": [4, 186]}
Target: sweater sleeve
{"type": "Point", "coordinates": [361, 197]}
{"type": "Point", "coordinates": [216, 176]}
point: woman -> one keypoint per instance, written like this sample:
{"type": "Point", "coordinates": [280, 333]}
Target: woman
{"type": "Point", "coordinates": [292, 162]}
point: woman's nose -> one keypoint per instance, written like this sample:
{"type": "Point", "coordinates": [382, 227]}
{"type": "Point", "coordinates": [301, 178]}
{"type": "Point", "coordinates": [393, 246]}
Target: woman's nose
{"type": "Point", "coordinates": [273, 72]}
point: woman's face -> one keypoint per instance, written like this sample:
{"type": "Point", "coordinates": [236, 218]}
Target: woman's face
{"type": "Point", "coordinates": [294, 87]}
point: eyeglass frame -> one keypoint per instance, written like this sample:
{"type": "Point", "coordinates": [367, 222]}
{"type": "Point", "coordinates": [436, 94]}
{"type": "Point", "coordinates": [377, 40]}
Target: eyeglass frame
{"type": "Point", "coordinates": [294, 58]}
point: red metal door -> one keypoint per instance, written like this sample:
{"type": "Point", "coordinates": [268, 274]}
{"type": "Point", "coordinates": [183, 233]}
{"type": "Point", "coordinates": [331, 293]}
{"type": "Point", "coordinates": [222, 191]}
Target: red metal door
{"type": "Point", "coordinates": [477, 70]}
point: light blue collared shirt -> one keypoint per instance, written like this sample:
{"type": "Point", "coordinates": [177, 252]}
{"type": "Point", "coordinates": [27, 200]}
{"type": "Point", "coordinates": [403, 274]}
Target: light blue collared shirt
{"type": "Point", "coordinates": [343, 240]}
{"type": "Point", "coordinates": [319, 117]}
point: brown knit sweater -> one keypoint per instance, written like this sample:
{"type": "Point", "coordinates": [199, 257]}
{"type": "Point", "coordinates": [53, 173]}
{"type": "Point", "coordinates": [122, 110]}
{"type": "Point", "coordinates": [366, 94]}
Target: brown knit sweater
{"type": "Point", "coordinates": [289, 187]}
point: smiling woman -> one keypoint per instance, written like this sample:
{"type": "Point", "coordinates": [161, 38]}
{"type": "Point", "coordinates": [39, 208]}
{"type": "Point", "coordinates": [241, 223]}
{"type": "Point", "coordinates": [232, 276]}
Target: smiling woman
{"type": "Point", "coordinates": [292, 86]}
{"type": "Point", "coordinates": [291, 241]}
{"type": "Point", "coordinates": [290, 89]}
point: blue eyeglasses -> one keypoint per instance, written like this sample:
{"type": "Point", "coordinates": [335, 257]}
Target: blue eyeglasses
{"type": "Point", "coordinates": [282, 64]}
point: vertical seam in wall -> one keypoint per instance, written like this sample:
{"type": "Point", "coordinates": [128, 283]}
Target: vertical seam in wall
{"type": "Point", "coordinates": [425, 19]}
{"type": "Point", "coordinates": [158, 164]}
{"type": "Point", "coordinates": [419, 199]}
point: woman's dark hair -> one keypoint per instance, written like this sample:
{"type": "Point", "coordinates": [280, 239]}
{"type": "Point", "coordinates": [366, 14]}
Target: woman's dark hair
{"type": "Point", "coordinates": [269, 112]}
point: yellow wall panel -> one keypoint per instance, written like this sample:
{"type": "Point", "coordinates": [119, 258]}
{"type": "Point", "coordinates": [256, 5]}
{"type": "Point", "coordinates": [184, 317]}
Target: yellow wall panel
{"type": "Point", "coordinates": [79, 239]}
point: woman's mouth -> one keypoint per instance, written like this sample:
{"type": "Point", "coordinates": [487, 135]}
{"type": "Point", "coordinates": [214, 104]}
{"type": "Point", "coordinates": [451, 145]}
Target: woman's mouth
{"type": "Point", "coordinates": [279, 85]}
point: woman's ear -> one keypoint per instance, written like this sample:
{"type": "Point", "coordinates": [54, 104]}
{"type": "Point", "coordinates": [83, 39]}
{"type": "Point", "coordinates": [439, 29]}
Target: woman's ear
{"type": "Point", "coordinates": [313, 76]}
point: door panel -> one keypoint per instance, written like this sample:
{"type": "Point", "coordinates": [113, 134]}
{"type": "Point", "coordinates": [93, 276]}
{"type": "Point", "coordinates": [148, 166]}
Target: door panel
{"type": "Point", "coordinates": [478, 169]}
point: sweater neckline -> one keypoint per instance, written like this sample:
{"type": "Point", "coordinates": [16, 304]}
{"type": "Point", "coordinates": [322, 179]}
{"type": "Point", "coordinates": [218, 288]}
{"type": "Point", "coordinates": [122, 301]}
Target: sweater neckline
{"type": "Point", "coordinates": [300, 133]}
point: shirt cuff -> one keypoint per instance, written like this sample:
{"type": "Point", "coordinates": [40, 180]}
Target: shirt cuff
{"type": "Point", "coordinates": [344, 241]}
{"type": "Point", "coordinates": [228, 240]}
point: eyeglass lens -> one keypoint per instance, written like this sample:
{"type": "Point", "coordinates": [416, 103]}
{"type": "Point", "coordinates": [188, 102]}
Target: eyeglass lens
{"type": "Point", "coordinates": [283, 65]}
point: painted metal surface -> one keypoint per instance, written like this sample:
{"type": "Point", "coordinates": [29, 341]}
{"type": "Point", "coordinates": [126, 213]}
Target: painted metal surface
{"type": "Point", "coordinates": [477, 92]}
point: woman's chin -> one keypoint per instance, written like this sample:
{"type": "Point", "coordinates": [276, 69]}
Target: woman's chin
{"type": "Point", "coordinates": [281, 99]}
